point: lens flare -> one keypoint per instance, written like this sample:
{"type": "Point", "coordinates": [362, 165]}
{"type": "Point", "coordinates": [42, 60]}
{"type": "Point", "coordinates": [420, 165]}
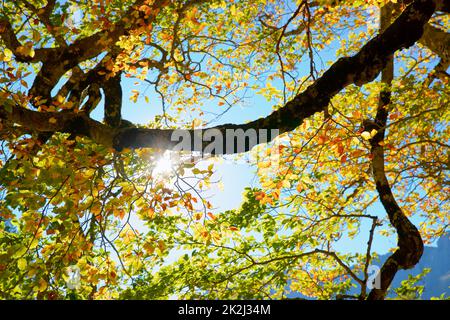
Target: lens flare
{"type": "Point", "coordinates": [163, 166]}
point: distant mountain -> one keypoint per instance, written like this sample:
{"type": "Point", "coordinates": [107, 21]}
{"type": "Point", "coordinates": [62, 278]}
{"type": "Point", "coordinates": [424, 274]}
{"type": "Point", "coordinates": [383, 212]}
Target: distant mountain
{"type": "Point", "coordinates": [437, 281]}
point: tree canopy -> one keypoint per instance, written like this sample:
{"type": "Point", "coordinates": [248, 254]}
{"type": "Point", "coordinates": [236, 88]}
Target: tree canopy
{"type": "Point", "coordinates": [360, 116]}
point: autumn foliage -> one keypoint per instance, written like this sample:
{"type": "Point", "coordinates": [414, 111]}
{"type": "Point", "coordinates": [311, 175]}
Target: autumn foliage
{"type": "Point", "coordinates": [360, 95]}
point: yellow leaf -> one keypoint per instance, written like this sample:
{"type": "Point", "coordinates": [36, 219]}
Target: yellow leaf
{"type": "Point", "coordinates": [196, 123]}
{"type": "Point", "coordinates": [36, 36]}
{"type": "Point", "coordinates": [60, 98]}
{"type": "Point", "coordinates": [366, 135]}
{"type": "Point", "coordinates": [307, 180]}
{"type": "Point", "coordinates": [373, 133]}
{"type": "Point", "coordinates": [32, 272]}
{"type": "Point", "coordinates": [286, 184]}
{"type": "Point", "coordinates": [233, 10]}
{"type": "Point", "coordinates": [7, 54]}
{"type": "Point", "coordinates": [264, 164]}
{"type": "Point", "coordinates": [22, 264]}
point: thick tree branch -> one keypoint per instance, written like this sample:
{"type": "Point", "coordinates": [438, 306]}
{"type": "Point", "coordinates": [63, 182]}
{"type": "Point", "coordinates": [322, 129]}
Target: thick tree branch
{"type": "Point", "coordinates": [8, 35]}
{"type": "Point", "coordinates": [437, 41]}
{"type": "Point", "coordinates": [94, 99]}
{"type": "Point", "coordinates": [113, 100]}
{"type": "Point", "coordinates": [358, 69]}
{"type": "Point", "coordinates": [78, 124]}
{"type": "Point", "coordinates": [441, 5]}
{"type": "Point", "coordinates": [410, 245]}
{"type": "Point", "coordinates": [80, 81]}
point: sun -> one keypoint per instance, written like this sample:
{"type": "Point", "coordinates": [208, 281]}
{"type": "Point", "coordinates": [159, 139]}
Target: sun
{"type": "Point", "coordinates": [163, 166]}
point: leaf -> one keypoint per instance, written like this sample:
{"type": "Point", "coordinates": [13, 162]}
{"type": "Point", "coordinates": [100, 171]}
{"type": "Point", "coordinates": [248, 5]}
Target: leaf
{"type": "Point", "coordinates": [6, 56]}
{"type": "Point", "coordinates": [36, 36]}
{"type": "Point", "coordinates": [366, 135]}
{"type": "Point", "coordinates": [211, 216]}
{"type": "Point", "coordinates": [27, 51]}
{"type": "Point", "coordinates": [286, 184]}
{"type": "Point", "coordinates": [373, 133]}
{"type": "Point", "coordinates": [42, 285]}
{"type": "Point", "coordinates": [60, 98]}
{"type": "Point", "coordinates": [198, 215]}
{"type": "Point", "coordinates": [22, 264]}
{"type": "Point", "coordinates": [340, 149]}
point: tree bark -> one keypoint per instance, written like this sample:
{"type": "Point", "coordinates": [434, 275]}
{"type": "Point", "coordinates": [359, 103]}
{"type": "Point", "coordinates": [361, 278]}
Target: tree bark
{"type": "Point", "coordinates": [410, 245]}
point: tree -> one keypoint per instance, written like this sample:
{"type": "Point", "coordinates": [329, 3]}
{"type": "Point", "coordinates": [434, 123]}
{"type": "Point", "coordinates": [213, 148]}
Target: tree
{"type": "Point", "coordinates": [345, 138]}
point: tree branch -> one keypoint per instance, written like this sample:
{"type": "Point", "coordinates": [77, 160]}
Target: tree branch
{"type": "Point", "coordinates": [358, 69]}
{"type": "Point", "coordinates": [61, 59]}
{"type": "Point", "coordinates": [113, 100]}
{"type": "Point", "coordinates": [433, 38]}
{"type": "Point", "coordinates": [410, 245]}
{"type": "Point", "coordinates": [437, 41]}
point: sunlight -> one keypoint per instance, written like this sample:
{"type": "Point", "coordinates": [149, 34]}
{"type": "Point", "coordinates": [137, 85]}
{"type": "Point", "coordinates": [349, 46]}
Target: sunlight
{"type": "Point", "coordinates": [164, 165]}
